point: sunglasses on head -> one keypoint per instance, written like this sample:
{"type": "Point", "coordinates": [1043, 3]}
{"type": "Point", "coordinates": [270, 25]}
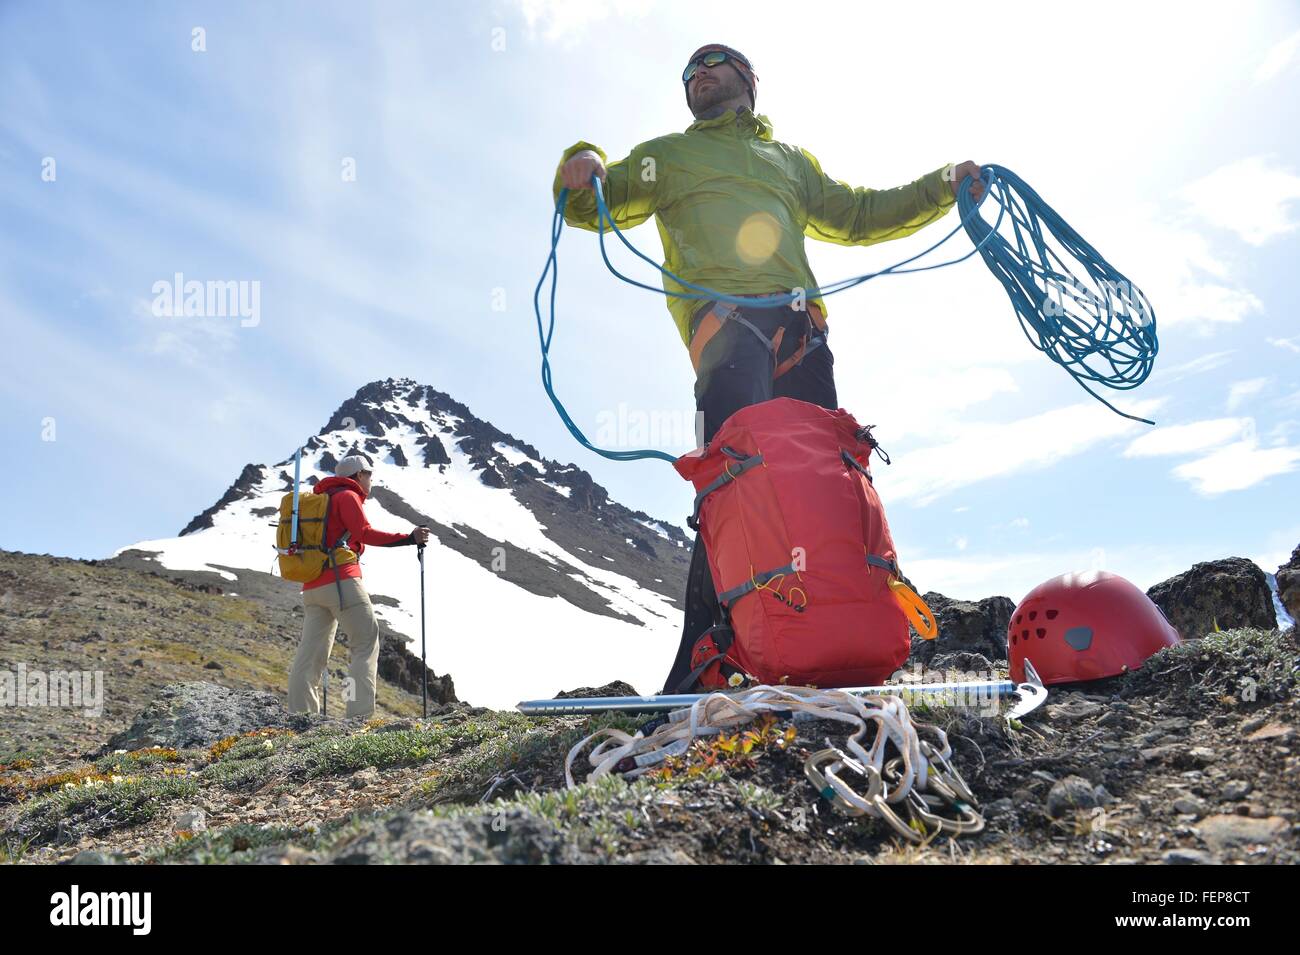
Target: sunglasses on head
{"type": "Point", "coordinates": [712, 58]}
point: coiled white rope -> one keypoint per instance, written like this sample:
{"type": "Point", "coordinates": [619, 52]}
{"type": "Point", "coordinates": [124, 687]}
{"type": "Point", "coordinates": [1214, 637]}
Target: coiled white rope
{"type": "Point", "coordinates": [900, 768]}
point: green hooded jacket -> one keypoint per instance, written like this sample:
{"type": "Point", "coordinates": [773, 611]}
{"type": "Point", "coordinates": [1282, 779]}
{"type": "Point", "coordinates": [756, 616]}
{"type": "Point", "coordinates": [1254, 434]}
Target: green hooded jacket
{"type": "Point", "coordinates": [733, 206]}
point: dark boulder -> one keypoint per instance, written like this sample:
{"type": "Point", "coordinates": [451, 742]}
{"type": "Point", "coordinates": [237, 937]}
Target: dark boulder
{"type": "Point", "coordinates": [1232, 592]}
{"type": "Point", "coordinates": [400, 667]}
{"type": "Point", "coordinates": [965, 626]}
{"type": "Point", "coordinates": [965, 665]}
{"type": "Point", "coordinates": [617, 688]}
{"type": "Point", "coordinates": [192, 715]}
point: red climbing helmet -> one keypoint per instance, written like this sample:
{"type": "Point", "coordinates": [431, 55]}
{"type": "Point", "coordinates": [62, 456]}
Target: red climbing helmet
{"type": "Point", "coordinates": [1085, 626]}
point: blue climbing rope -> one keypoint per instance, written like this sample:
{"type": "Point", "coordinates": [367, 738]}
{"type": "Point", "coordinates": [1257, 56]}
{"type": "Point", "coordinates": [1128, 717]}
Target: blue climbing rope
{"type": "Point", "coordinates": [545, 335]}
{"type": "Point", "coordinates": [1102, 330]}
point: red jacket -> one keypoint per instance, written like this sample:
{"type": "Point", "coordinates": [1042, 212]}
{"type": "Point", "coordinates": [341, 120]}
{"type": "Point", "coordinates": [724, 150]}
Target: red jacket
{"type": "Point", "coordinates": [346, 513]}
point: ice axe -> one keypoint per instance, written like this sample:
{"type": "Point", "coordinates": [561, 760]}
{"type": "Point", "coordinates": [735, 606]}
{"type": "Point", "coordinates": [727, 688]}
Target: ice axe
{"type": "Point", "coordinates": [1030, 695]}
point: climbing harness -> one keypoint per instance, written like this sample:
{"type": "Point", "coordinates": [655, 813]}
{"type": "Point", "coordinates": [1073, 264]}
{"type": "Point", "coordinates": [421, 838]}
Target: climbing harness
{"type": "Point", "coordinates": [901, 768]}
{"type": "Point", "coordinates": [1101, 329]}
{"type": "Point", "coordinates": [711, 319]}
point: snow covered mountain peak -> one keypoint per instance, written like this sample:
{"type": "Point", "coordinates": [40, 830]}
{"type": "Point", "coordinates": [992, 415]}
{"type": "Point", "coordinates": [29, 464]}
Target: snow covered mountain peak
{"type": "Point", "coordinates": [526, 553]}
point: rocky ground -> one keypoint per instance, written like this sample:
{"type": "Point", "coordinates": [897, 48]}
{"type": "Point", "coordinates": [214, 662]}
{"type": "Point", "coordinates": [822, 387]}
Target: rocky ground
{"type": "Point", "coordinates": [1192, 759]}
{"type": "Point", "coordinates": [145, 630]}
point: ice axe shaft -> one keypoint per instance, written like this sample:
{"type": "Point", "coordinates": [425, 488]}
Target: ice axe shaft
{"type": "Point", "coordinates": [970, 693]}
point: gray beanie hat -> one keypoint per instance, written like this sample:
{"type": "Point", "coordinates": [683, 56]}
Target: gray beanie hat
{"type": "Point", "coordinates": [354, 462]}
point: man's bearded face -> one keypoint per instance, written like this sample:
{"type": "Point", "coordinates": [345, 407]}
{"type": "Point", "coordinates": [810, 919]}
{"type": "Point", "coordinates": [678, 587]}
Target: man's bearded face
{"type": "Point", "coordinates": [713, 85]}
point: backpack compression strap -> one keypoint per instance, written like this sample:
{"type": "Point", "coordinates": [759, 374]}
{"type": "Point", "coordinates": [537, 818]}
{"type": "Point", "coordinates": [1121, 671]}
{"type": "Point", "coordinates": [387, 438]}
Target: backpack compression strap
{"type": "Point", "coordinates": [754, 583]}
{"type": "Point", "coordinates": [728, 475]}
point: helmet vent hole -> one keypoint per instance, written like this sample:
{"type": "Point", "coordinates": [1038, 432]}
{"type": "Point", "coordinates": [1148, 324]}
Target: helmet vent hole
{"type": "Point", "coordinates": [1025, 634]}
{"type": "Point", "coordinates": [1051, 614]}
{"type": "Point", "coordinates": [1041, 633]}
{"type": "Point", "coordinates": [1013, 639]}
{"type": "Point", "coordinates": [1033, 615]}
{"type": "Point", "coordinates": [1018, 616]}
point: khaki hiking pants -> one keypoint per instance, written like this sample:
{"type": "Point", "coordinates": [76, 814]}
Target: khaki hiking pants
{"type": "Point", "coordinates": [321, 618]}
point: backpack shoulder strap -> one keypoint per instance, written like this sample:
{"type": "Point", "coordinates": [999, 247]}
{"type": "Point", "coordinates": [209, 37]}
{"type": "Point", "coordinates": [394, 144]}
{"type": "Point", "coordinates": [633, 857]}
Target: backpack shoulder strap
{"type": "Point", "coordinates": [330, 548]}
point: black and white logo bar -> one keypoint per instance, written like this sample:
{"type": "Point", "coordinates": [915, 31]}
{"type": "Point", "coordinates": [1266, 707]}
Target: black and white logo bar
{"type": "Point", "coordinates": [102, 908]}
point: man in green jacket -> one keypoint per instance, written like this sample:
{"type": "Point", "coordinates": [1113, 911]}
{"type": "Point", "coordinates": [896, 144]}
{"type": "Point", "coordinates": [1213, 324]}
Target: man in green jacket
{"type": "Point", "coordinates": [733, 206]}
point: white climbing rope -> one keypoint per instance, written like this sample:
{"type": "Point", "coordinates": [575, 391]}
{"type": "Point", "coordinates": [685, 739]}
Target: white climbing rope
{"type": "Point", "coordinates": [898, 768]}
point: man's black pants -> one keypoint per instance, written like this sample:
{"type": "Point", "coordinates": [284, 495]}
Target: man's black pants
{"type": "Point", "coordinates": [734, 371]}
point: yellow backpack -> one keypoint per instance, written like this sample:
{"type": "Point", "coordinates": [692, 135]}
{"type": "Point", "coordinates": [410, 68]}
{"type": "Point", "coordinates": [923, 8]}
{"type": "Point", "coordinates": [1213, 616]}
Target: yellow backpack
{"type": "Point", "coordinates": [305, 559]}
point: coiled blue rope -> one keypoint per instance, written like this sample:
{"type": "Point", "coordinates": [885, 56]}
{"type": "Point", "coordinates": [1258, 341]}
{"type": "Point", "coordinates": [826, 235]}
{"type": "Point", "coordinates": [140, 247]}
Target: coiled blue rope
{"type": "Point", "coordinates": [1102, 330]}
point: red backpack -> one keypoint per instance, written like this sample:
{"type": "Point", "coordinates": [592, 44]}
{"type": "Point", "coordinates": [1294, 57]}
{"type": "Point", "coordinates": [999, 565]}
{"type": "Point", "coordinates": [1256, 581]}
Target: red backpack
{"type": "Point", "coordinates": [800, 553]}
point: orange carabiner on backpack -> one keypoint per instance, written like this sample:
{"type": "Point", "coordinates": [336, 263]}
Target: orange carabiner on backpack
{"type": "Point", "coordinates": [914, 608]}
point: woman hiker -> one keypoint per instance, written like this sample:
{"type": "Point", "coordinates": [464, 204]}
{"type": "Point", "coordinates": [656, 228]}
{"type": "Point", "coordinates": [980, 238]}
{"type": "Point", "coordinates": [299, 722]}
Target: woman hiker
{"type": "Point", "coordinates": [329, 602]}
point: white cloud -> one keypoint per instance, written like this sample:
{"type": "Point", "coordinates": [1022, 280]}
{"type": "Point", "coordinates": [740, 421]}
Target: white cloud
{"type": "Point", "coordinates": [1188, 438]}
{"type": "Point", "coordinates": [1207, 302]}
{"type": "Point", "coordinates": [1279, 58]}
{"type": "Point", "coordinates": [191, 340]}
{"type": "Point", "coordinates": [1237, 466]}
{"type": "Point", "coordinates": [100, 293]}
{"type": "Point", "coordinates": [1290, 344]}
{"type": "Point", "coordinates": [1188, 280]}
{"type": "Point", "coordinates": [1241, 391]}
{"type": "Point", "coordinates": [919, 408]}
{"type": "Point", "coordinates": [1250, 197]}
{"type": "Point", "coordinates": [1235, 461]}
{"type": "Point", "coordinates": [568, 21]}
{"type": "Point", "coordinates": [986, 450]}
{"type": "Point", "coordinates": [1276, 550]}
{"type": "Point", "coordinates": [1196, 366]}
{"type": "Point", "coordinates": [1013, 573]}
{"type": "Point", "coordinates": [1281, 432]}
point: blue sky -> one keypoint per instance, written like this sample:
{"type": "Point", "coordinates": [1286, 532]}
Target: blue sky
{"type": "Point", "coordinates": [1158, 132]}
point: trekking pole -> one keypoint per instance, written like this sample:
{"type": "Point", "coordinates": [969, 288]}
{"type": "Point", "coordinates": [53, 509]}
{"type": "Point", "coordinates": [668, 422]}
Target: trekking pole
{"type": "Point", "coordinates": [424, 666]}
{"type": "Point", "coordinates": [325, 689]}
